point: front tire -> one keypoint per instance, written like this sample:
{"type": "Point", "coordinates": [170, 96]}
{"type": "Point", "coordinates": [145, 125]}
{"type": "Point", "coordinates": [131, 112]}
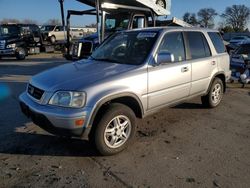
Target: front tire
{"type": "Point", "coordinates": [215, 95]}
{"type": "Point", "coordinates": [115, 129]}
{"type": "Point", "coordinates": [53, 39]}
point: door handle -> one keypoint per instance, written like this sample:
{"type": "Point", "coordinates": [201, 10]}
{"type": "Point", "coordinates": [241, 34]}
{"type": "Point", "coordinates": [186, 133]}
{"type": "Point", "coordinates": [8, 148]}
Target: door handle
{"type": "Point", "coordinates": [184, 69]}
{"type": "Point", "coordinates": [213, 62]}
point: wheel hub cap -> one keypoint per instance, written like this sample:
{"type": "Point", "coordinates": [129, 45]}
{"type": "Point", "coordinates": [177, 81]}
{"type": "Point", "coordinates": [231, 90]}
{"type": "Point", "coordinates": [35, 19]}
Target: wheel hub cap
{"type": "Point", "coordinates": [216, 93]}
{"type": "Point", "coordinates": [117, 131]}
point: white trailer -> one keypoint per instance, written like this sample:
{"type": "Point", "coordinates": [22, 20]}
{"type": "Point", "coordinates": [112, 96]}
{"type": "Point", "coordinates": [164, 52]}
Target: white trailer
{"type": "Point", "coordinates": [159, 7]}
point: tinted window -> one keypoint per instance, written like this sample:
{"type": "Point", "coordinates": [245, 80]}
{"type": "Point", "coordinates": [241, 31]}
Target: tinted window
{"type": "Point", "coordinates": [217, 42]}
{"type": "Point", "coordinates": [173, 43]}
{"type": "Point", "coordinates": [198, 45]}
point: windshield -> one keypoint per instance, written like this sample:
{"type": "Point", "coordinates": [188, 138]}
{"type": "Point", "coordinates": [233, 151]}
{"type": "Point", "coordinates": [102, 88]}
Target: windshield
{"type": "Point", "coordinates": [126, 47]}
{"type": "Point", "coordinates": [47, 28]}
{"type": "Point", "coordinates": [116, 22]}
{"type": "Point", "coordinates": [243, 49]}
{"type": "Point", "coordinates": [9, 30]}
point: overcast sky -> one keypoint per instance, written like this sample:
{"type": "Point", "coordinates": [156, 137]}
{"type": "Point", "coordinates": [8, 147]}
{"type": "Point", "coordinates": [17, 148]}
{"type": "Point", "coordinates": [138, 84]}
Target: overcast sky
{"type": "Point", "coordinates": [43, 10]}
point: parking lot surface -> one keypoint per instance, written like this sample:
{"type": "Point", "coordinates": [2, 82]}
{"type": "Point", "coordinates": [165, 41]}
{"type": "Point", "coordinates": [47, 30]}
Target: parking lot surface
{"type": "Point", "coordinates": [183, 146]}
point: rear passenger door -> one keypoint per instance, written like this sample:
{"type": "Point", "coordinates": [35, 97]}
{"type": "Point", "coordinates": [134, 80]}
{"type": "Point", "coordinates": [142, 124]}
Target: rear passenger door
{"type": "Point", "coordinates": [169, 82]}
{"type": "Point", "coordinates": [202, 62]}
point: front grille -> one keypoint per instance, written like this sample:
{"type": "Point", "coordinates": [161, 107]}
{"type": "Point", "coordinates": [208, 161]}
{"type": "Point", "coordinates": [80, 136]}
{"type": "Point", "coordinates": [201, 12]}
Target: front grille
{"type": "Point", "coordinates": [87, 47]}
{"type": "Point", "coordinates": [35, 92]}
{"type": "Point", "coordinates": [2, 44]}
{"type": "Point", "coordinates": [74, 49]}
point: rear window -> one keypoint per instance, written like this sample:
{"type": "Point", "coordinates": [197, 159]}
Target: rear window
{"type": "Point", "coordinates": [198, 45]}
{"type": "Point", "coordinates": [217, 42]}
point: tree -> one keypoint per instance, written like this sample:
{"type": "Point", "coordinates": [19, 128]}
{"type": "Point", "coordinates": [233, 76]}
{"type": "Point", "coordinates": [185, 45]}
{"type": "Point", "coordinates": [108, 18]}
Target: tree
{"type": "Point", "coordinates": [53, 22]}
{"type": "Point", "coordinates": [9, 20]}
{"type": "Point", "coordinates": [29, 21]}
{"type": "Point", "coordinates": [190, 18]}
{"type": "Point", "coordinates": [206, 17]}
{"type": "Point", "coordinates": [237, 17]}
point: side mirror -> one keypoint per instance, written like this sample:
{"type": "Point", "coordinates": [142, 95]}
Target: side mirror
{"type": "Point", "coordinates": [164, 57]}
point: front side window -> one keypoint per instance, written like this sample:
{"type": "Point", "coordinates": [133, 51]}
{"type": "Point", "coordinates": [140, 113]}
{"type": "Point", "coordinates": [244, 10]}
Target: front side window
{"type": "Point", "coordinates": [198, 45]}
{"type": "Point", "coordinates": [116, 22]}
{"type": "Point", "coordinates": [173, 43]}
{"type": "Point", "coordinates": [126, 47]}
{"type": "Point", "coordinates": [217, 42]}
{"type": "Point", "coordinates": [47, 28]}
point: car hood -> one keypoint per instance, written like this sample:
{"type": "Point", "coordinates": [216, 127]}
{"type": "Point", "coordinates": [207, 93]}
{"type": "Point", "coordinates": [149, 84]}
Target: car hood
{"type": "Point", "coordinates": [78, 75]}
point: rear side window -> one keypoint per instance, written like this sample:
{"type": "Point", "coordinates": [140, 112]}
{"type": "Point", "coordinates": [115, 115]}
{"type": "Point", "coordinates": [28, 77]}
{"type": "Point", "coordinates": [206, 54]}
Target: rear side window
{"type": "Point", "coordinates": [217, 42]}
{"type": "Point", "coordinates": [198, 45]}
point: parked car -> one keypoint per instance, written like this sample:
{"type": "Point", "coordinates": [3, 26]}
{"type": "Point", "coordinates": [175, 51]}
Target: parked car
{"type": "Point", "coordinates": [131, 75]}
{"type": "Point", "coordinates": [55, 33]}
{"type": "Point", "coordinates": [18, 40]}
{"type": "Point", "coordinates": [240, 40]}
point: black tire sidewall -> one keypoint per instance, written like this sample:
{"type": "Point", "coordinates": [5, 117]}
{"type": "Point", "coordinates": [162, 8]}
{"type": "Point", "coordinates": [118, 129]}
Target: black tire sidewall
{"type": "Point", "coordinates": [20, 56]}
{"type": "Point", "coordinates": [113, 111]}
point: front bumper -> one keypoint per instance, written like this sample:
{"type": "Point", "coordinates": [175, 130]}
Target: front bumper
{"type": "Point", "coordinates": [56, 120]}
{"type": "Point", "coordinates": [8, 52]}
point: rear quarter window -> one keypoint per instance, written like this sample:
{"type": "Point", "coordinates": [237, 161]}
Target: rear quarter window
{"type": "Point", "coordinates": [217, 42]}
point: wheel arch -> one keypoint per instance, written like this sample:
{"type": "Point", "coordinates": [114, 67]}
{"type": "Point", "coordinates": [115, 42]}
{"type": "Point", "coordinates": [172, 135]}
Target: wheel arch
{"type": "Point", "coordinates": [128, 99]}
{"type": "Point", "coordinates": [220, 75]}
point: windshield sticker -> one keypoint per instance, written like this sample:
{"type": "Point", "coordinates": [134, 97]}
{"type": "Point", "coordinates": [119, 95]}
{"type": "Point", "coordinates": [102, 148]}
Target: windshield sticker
{"type": "Point", "coordinates": [146, 35]}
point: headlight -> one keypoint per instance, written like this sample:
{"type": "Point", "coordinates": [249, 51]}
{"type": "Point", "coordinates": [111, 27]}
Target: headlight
{"type": "Point", "coordinates": [68, 99]}
{"type": "Point", "coordinates": [11, 45]}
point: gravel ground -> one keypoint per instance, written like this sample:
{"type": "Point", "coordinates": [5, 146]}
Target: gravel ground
{"type": "Point", "coordinates": [183, 146]}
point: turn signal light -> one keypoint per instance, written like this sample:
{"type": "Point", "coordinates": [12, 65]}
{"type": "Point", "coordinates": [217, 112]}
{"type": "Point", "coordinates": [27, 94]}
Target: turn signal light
{"type": "Point", "coordinates": [79, 122]}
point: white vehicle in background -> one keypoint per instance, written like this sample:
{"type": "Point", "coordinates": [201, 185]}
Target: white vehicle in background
{"type": "Point", "coordinates": [56, 33]}
{"type": "Point", "coordinates": [159, 7]}
{"type": "Point", "coordinates": [240, 40]}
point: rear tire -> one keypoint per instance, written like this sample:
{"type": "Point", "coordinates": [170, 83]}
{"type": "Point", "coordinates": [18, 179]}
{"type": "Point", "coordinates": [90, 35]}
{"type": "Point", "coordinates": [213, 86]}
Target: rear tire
{"type": "Point", "coordinates": [21, 54]}
{"type": "Point", "coordinates": [115, 130]}
{"type": "Point", "coordinates": [215, 94]}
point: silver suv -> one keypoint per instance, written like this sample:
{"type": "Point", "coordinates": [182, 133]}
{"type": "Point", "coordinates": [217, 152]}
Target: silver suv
{"type": "Point", "coordinates": [132, 74]}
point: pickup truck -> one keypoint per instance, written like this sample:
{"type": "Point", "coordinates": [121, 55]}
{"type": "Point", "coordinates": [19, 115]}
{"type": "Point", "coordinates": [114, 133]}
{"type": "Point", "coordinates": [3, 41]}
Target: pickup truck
{"type": "Point", "coordinates": [19, 40]}
{"type": "Point", "coordinates": [131, 74]}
